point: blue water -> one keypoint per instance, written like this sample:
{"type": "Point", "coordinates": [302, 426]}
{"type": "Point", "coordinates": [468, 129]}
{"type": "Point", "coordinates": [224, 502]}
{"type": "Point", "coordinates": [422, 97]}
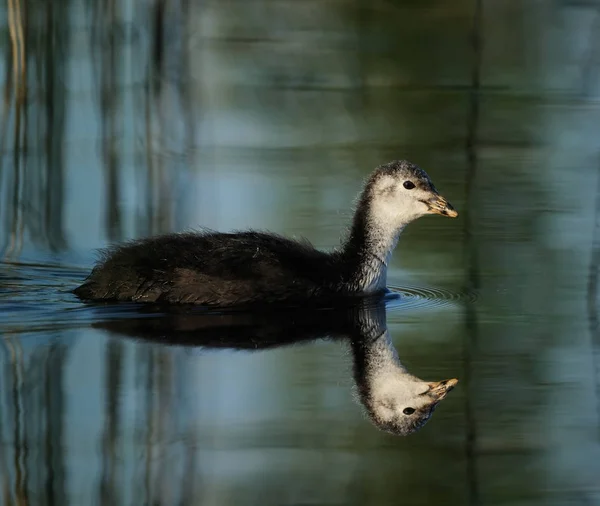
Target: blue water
{"type": "Point", "coordinates": [138, 118]}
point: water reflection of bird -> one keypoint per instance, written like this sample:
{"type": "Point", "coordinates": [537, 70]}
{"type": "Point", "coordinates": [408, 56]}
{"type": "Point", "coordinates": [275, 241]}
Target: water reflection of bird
{"type": "Point", "coordinates": [243, 268]}
{"type": "Point", "coordinates": [395, 400]}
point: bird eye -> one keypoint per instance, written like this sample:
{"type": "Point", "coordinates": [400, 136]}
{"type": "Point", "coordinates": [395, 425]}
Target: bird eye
{"type": "Point", "coordinates": [408, 411]}
{"type": "Point", "coordinates": [409, 185]}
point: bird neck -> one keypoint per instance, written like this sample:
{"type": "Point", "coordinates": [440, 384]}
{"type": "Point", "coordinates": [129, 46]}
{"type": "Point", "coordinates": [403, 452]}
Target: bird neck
{"type": "Point", "coordinates": [376, 364]}
{"type": "Point", "coordinates": [368, 250]}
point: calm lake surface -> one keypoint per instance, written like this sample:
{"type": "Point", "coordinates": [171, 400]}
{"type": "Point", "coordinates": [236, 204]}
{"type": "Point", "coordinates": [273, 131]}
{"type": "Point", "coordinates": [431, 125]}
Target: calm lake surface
{"type": "Point", "coordinates": [126, 119]}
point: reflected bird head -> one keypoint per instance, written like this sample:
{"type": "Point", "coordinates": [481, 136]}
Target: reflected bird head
{"type": "Point", "coordinates": [404, 404]}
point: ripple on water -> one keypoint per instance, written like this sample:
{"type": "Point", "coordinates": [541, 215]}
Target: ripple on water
{"type": "Point", "coordinates": [420, 298]}
{"type": "Point", "coordinates": [36, 295]}
{"type": "Point", "coordinates": [43, 293]}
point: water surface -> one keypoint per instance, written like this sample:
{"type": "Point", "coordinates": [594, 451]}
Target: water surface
{"type": "Point", "coordinates": [125, 119]}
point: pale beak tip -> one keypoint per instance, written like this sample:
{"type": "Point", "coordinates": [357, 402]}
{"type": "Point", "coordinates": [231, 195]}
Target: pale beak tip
{"type": "Point", "coordinates": [451, 383]}
{"type": "Point", "coordinates": [439, 205]}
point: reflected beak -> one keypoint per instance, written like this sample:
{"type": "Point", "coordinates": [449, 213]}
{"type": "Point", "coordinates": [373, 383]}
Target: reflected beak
{"type": "Point", "coordinates": [439, 205]}
{"type": "Point", "coordinates": [439, 389]}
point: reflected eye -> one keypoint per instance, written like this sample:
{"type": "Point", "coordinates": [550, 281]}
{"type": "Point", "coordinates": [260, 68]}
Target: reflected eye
{"type": "Point", "coordinates": [408, 411]}
{"type": "Point", "coordinates": [409, 185]}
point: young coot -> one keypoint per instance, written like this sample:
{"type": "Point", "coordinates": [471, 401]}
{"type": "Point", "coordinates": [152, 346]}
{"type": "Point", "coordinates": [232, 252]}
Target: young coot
{"type": "Point", "coordinates": [243, 268]}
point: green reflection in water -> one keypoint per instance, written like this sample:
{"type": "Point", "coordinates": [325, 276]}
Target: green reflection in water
{"type": "Point", "coordinates": [123, 119]}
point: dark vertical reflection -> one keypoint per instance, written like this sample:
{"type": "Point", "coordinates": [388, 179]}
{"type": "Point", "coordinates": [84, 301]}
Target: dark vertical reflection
{"type": "Point", "coordinates": [54, 73]}
{"type": "Point", "coordinates": [187, 488]}
{"type": "Point", "coordinates": [4, 476]}
{"type": "Point", "coordinates": [145, 372]}
{"type": "Point", "coordinates": [587, 82]}
{"type": "Point", "coordinates": [592, 301]}
{"type": "Point", "coordinates": [186, 83]}
{"type": "Point", "coordinates": [165, 418]}
{"type": "Point", "coordinates": [109, 492]}
{"type": "Point", "coordinates": [156, 117]}
{"type": "Point", "coordinates": [154, 83]}
{"type": "Point", "coordinates": [14, 101]}
{"type": "Point", "coordinates": [589, 70]}
{"type": "Point", "coordinates": [54, 441]}
{"type": "Point", "coordinates": [158, 40]}
{"type": "Point", "coordinates": [150, 432]}
{"type": "Point", "coordinates": [106, 26]}
{"type": "Point", "coordinates": [19, 438]}
{"type": "Point", "coordinates": [472, 260]}
{"type": "Point", "coordinates": [155, 381]}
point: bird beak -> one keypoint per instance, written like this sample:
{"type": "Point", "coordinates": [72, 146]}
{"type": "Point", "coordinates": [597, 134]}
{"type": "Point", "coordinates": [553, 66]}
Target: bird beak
{"type": "Point", "coordinates": [439, 389]}
{"type": "Point", "coordinates": [439, 205]}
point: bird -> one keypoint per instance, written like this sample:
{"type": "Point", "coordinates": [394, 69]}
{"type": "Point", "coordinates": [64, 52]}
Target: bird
{"type": "Point", "coordinates": [250, 267]}
{"type": "Point", "coordinates": [394, 400]}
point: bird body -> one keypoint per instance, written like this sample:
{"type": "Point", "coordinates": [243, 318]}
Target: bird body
{"type": "Point", "coordinates": [248, 267]}
{"type": "Point", "coordinates": [240, 267]}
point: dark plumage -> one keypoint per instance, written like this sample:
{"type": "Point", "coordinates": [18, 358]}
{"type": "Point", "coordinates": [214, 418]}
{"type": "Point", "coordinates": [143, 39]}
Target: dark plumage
{"type": "Point", "coordinates": [212, 268]}
{"type": "Point", "coordinates": [244, 268]}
